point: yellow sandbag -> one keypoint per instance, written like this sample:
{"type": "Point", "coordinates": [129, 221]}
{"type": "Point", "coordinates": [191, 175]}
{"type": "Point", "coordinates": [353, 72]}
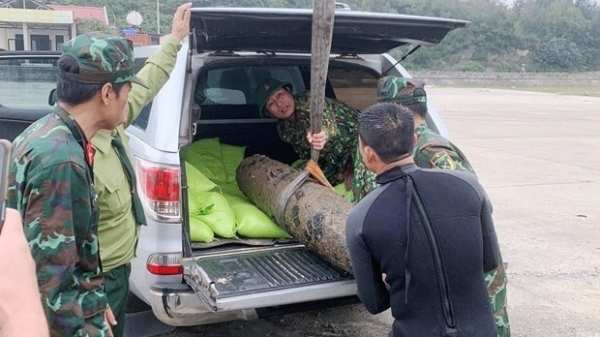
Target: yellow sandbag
{"type": "Point", "coordinates": [232, 157]}
{"type": "Point", "coordinates": [341, 190]}
{"type": "Point", "coordinates": [213, 209]}
{"type": "Point", "coordinates": [196, 180]}
{"type": "Point", "coordinates": [252, 222]}
{"type": "Point", "coordinates": [199, 231]}
{"type": "Point", "coordinates": [230, 189]}
{"type": "Point", "coordinates": [205, 155]}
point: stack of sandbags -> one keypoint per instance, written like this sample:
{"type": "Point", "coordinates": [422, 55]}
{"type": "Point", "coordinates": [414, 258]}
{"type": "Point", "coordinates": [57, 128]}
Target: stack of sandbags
{"type": "Point", "coordinates": [216, 205]}
{"type": "Point", "coordinates": [209, 212]}
{"type": "Point", "coordinates": [252, 222]}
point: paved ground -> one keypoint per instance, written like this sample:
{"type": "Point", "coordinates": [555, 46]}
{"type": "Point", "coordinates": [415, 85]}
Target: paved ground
{"type": "Point", "coordinates": [538, 155]}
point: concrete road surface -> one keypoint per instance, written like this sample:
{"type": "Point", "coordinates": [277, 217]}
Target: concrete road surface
{"type": "Point", "coordinates": [538, 155]}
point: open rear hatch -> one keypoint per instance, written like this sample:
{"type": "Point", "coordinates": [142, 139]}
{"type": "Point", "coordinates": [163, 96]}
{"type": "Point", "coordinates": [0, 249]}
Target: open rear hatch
{"type": "Point", "coordinates": [289, 30]}
{"type": "Point", "coordinates": [265, 277]}
{"type": "Point", "coordinates": [234, 277]}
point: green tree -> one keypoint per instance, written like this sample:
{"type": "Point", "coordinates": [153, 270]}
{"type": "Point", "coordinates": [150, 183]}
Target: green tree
{"type": "Point", "coordinates": [560, 54]}
{"type": "Point", "coordinates": [555, 34]}
{"type": "Point", "coordinates": [558, 34]}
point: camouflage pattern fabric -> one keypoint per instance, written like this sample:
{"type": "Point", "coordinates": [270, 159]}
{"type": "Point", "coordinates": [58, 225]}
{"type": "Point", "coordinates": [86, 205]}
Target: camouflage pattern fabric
{"type": "Point", "coordinates": [363, 180]}
{"type": "Point", "coordinates": [341, 124]}
{"type": "Point", "coordinates": [392, 89]}
{"type": "Point", "coordinates": [51, 185]}
{"type": "Point", "coordinates": [341, 151]}
{"type": "Point", "coordinates": [434, 151]}
{"type": "Point", "coordinates": [496, 282]}
{"type": "Point", "coordinates": [102, 58]}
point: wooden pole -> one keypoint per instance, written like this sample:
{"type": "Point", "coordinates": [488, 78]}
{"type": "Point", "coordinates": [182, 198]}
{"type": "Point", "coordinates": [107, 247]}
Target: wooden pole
{"type": "Point", "coordinates": [322, 31]}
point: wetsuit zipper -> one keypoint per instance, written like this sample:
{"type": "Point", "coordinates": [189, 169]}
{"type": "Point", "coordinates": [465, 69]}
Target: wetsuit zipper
{"type": "Point", "coordinates": [439, 263]}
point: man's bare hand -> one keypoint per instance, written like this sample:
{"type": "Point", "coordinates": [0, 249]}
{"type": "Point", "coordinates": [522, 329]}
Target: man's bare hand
{"type": "Point", "coordinates": [181, 21]}
{"type": "Point", "coordinates": [317, 140]}
{"type": "Point", "coordinates": [110, 320]}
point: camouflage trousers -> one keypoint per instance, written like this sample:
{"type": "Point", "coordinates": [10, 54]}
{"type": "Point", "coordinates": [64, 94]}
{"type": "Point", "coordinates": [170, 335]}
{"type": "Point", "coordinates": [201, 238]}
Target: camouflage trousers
{"type": "Point", "coordinates": [496, 283]}
{"type": "Point", "coordinates": [94, 326]}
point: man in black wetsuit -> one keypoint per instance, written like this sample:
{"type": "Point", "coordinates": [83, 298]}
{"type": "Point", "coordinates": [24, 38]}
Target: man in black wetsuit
{"type": "Point", "coordinates": [428, 232]}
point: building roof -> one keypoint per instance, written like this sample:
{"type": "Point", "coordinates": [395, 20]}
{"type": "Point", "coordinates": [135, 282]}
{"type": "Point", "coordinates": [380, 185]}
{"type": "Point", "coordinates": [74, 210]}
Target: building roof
{"type": "Point", "coordinates": [27, 4]}
{"type": "Point", "coordinates": [84, 12]}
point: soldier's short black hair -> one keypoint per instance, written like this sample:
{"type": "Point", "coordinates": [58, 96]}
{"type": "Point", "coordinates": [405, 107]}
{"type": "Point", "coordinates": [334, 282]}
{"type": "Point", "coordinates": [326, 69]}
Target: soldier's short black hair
{"type": "Point", "coordinates": [75, 93]}
{"type": "Point", "coordinates": [388, 129]}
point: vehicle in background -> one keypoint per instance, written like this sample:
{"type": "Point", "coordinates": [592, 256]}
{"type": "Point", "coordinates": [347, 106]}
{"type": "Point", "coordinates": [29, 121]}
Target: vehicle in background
{"type": "Point", "coordinates": [26, 79]}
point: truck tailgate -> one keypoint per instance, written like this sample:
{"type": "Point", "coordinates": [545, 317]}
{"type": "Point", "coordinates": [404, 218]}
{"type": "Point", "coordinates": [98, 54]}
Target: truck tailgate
{"type": "Point", "coordinates": [265, 277]}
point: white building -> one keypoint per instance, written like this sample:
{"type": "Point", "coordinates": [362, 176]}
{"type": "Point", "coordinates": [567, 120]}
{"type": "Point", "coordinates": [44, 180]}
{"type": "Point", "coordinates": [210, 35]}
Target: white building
{"type": "Point", "coordinates": [30, 25]}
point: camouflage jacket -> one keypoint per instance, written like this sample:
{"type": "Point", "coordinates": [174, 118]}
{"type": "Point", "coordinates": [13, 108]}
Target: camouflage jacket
{"type": "Point", "coordinates": [435, 151]}
{"type": "Point", "coordinates": [51, 186]}
{"type": "Point", "coordinates": [341, 124]}
{"type": "Point", "coordinates": [363, 180]}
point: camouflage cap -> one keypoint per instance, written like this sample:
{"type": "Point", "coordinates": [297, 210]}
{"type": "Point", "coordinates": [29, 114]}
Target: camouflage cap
{"type": "Point", "coordinates": [102, 58]}
{"type": "Point", "coordinates": [264, 91]}
{"type": "Point", "coordinates": [400, 90]}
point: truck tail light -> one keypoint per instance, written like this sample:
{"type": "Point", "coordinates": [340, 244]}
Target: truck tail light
{"type": "Point", "coordinates": [159, 187]}
{"type": "Point", "coordinates": [165, 264]}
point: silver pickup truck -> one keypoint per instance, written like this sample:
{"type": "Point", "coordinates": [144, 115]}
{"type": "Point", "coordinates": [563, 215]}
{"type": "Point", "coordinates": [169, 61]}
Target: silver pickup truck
{"type": "Point", "coordinates": [230, 51]}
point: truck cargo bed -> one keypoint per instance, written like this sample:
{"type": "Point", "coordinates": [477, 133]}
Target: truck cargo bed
{"type": "Point", "coordinates": [265, 276]}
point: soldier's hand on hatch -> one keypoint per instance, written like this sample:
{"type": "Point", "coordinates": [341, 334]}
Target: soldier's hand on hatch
{"type": "Point", "coordinates": [181, 21]}
{"type": "Point", "coordinates": [317, 140]}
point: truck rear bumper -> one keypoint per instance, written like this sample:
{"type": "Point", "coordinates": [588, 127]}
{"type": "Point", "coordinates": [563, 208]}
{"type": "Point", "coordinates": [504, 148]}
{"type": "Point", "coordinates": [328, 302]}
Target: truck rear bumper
{"type": "Point", "coordinates": [177, 305]}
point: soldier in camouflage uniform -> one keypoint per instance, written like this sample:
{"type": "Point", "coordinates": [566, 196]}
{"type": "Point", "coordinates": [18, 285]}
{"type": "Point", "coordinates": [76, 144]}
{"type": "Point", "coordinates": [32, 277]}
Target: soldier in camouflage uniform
{"type": "Point", "coordinates": [51, 182]}
{"type": "Point", "coordinates": [434, 151]}
{"type": "Point", "coordinates": [340, 158]}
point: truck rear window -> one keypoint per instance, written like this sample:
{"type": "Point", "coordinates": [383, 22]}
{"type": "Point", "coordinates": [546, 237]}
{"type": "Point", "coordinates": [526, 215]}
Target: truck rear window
{"type": "Point", "coordinates": [236, 85]}
{"type": "Point", "coordinates": [26, 82]}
